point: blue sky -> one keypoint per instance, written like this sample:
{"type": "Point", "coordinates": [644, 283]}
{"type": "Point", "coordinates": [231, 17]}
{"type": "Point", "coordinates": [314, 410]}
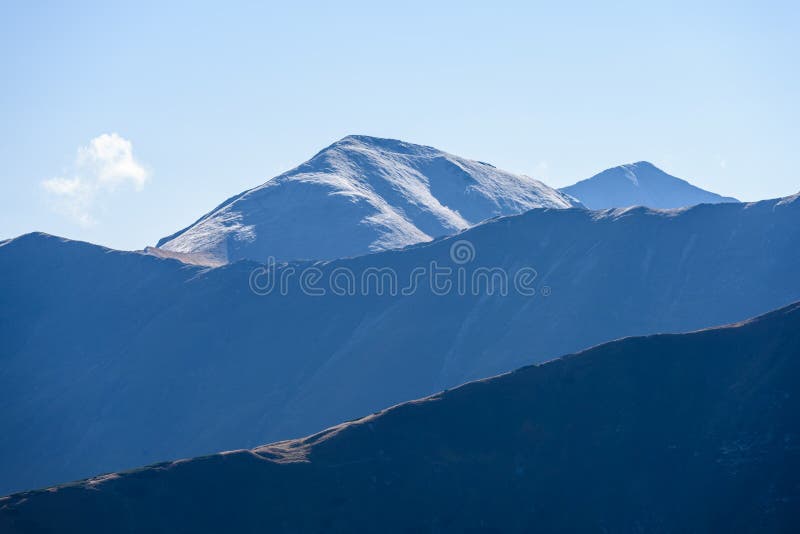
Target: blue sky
{"type": "Point", "coordinates": [207, 100]}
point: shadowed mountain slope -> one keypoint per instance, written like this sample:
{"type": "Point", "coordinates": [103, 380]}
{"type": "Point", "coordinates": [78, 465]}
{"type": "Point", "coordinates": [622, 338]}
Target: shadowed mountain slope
{"type": "Point", "coordinates": [119, 359]}
{"type": "Point", "coordinates": [668, 433]}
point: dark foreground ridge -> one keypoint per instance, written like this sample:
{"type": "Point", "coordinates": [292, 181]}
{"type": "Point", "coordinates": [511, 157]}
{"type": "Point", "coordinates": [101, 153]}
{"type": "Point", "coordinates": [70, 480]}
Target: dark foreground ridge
{"type": "Point", "coordinates": [687, 432]}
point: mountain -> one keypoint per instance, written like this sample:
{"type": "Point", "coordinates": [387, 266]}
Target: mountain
{"type": "Point", "coordinates": [640, 184]}
{"type": "Point", "coordinates": [116, 359]}
{"type": "Point", "coordinates": [695, 432]}
{"type": "Point", "coordinates": [361, 194]}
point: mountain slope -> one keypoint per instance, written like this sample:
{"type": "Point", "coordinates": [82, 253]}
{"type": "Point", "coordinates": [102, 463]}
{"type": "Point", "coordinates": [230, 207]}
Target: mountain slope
{"type": "Point", "coordinates": [121, 359]}
{"type": "Point", "coordinates": [361, 194]}
{"type": "Point", "coordinates": [668, 433]}
{"type": "Point", "coordinates": [640, 184]}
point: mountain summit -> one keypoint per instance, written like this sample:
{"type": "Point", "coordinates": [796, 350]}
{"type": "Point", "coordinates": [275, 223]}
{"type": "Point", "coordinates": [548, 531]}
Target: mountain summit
{"type": "Point", "coordinates": [361, 194]}
{"type": "Point", "coordinates": [640, 184]}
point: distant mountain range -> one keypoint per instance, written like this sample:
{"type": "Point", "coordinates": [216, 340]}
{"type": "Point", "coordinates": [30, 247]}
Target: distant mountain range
{"type": "Point", "coordinates": [361, 194]}
{"type": "Point", "coordinates": [116, 359]}
{"type": "Point", "coordinates": [640, 184]}
{"type": "Point", "coordinates": [667, 433]}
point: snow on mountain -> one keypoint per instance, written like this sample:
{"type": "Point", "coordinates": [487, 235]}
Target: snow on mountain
{"type": "Point", "coordinates": [640, 184]}
{"type": "Point", "coordinates": [118, 359]}
{"type": "Point", "coordinates": [667, 433]}
{"type": "Point", "coordinates": [361, 194]}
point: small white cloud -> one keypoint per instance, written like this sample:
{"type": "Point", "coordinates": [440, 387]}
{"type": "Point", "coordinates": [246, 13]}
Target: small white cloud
{"type": "Point", "coordinates": [101, 167]}
{"type": "Point", "coordinates": [110, 158]}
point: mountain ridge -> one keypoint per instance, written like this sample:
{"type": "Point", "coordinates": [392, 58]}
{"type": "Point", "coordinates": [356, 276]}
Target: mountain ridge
{"type": "Point", "coordinates": [700, 423]}
{"type": "Point", "coordinates": [98, 342]}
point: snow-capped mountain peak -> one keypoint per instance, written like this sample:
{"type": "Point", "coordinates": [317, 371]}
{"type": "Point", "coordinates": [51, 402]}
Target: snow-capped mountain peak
{"type": "Point", "coordinates": [361, 194]}
{"type": "Point", "coordinates": [640, 184]}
